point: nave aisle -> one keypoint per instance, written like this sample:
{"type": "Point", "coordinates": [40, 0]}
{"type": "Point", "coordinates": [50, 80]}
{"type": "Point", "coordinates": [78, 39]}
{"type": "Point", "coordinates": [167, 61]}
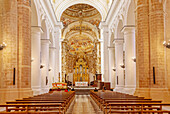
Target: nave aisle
{"type": "Point", "coordinates": [82, 105]}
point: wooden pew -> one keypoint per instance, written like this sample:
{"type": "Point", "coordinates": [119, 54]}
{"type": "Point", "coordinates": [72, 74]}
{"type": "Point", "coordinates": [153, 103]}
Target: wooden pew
{"type": "Point", "coordinates": [137, 108]}
{"type": "Point", "coordinates": [57, 102]}
{"type": "Point", "coordinates": [61, 96]}
{"type": "Point", "coordinates": [26, 108]}
{"type": "Point", "coordinates": [99, 97]}
{"type": "Point", "coordinates": [108, 100]}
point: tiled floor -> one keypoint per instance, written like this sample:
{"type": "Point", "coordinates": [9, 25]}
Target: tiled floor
{"type": "Point", "coordinates": [81, 105]}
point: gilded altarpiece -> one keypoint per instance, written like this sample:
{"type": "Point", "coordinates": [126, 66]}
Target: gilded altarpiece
{"type": "Point", "coordinates": [81, 72]}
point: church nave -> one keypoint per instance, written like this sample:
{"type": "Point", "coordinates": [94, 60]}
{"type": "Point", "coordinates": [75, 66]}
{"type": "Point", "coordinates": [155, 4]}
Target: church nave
{"type": "Point", "coordinates": [84, 56]}
{"type": "Point", "coordinates": [82, 105]}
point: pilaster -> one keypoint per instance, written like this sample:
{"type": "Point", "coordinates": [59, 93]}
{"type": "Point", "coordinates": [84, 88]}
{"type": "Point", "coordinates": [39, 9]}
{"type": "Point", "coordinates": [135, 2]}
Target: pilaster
{"type": "Point", "coordinates": [130, 56]}
{"type": "Point", "coordinates": [119, 61]}
{"type": "Point", "coordinates": [45, 65]}
{"type": "Point", "coordinates": [36, 32]}
{"type": "Point", "coordinates": [112, 78]}
{"type": "Point", "coordinates": [105, 34]}
{"type": "Point", "coordinates": [52, 63]}
{"type": "Point", "coordinates": [57, 35]}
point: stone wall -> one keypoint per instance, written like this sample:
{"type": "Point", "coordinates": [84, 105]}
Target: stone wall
{"type": "Point", "coordinates": [150, 52]}
{"type": "Point", "coordinates": [15, 57]}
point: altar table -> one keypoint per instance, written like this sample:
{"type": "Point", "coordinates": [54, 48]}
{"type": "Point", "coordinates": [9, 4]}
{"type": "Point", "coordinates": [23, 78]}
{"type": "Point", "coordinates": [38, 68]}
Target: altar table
{"type": "Point", "coordinates": [81, 83]}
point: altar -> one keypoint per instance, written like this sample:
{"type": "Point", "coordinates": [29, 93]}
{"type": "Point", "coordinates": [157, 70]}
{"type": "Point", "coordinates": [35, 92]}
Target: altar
{"type": "Point", "coordinates": [80, 73]}
{"type": "Point", "coordinates": [81, 83]}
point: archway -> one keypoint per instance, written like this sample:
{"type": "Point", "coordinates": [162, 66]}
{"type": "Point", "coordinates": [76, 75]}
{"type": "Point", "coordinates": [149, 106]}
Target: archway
{"type": "Point", "coordinates": [130, 49]}
{"type": "Point", "coordinates": [67, 3]}
{"type": "Point", "coordinates": [44, 61]}
{"type": "Point", "coordinates": [112, 65]}
{"type": "Point", "coordinates": [35, 49]}
{"type": "Point", "coordinates": [80, 43]}
{"type": "Point", "coordinates": [119, 57]}
{"type": "Point", "coordinates": [130, 14]}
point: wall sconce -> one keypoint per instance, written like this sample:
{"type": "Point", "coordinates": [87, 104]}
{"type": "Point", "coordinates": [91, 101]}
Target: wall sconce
{"type": "Point", "coordinates": [122, 66]}
{"type": "Point", "coordinates": [134, 59]}
{"type": "Point", "coordinates": [167, 45]}
{"type": "Point", "coordinates": [42, 66]}
{"type": "Point", "coordinates": [3, 45]}
{"type": "Point", "coordinates": [32, 59]}
{"type": "Point", "coordinates": [49, 69]}
{"type": "Point", "coordinates": [114, 69]}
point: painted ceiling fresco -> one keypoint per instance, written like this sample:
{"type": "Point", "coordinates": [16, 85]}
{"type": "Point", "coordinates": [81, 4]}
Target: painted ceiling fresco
{"type": "Point", "coordinates": [80, 36]}
{"type": "Point", "coordinates": [81, 12]}
{"type": "Point", "coordinates": [80, 44]}
{"type": "Point", "coordinates": [81, 18]}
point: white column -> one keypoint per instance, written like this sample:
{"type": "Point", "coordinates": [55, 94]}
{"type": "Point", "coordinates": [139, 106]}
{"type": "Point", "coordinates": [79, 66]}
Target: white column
{"type": "Point", "coordinates": [57, 35]}
{"type": "Point", "coordinates": [105, 57]}
{"type": "Point", "coordinates": [45, 63]}
{"type": "Point", "coordinates": [35, 61]}
{"type": "Point", "coordinates": [52, 61]}
{"type": "Point", "coordinates": [102, 60]}
{"type": "Point", "coordinates": [111, 66]}
{"type": "Point", "coordinates": [130, 65]}
{"type": "Point", "coordinates": [119, 61]}
{"type": "Point", "coordinates": [60, 51]}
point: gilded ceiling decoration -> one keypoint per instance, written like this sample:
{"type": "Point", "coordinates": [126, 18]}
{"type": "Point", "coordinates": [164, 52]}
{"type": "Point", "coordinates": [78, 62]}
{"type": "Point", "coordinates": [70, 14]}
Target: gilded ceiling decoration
{"type": "Point", "coordinates": [80, 35]}
{"type": "Point", "coordinates": [79, 44]}
{"type": "Point", "coordinates": [81, 12]}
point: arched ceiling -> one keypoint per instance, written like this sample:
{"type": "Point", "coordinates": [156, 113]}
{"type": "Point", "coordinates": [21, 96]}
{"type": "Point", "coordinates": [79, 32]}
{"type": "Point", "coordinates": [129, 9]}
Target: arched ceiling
{"type": "Point", "coordinates": [81, 12]}
{"type": "Point", "coordinates": [81, 23]}
{"type": "Point", "coordinates": [79, 44]}
{"type": "Point", "coordinates": [102, 6]}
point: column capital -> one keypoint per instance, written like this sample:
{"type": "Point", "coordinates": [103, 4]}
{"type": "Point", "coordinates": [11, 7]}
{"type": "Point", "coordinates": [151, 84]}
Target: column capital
{"type": "Point", "coordinates": [128, 28]}
{"type": "Point", "coordinates": [111, 47]}
{"type": "Point", "coordinates": [45, 41]}
{"type": "Point", "coordinates": [36, 29]}
{"type": "Point", "coordinates": [100, 40]}
{"type": "Point", "coordinates": [61, 39]}
{"type": "Point", "coordinates": [52, 48]}
{"type": "Point", "coordinates": [103, 26]}
{"type": "Point", "coordinates": [58, 26]}
{"type": "Point", "coordinates": [118, 41]}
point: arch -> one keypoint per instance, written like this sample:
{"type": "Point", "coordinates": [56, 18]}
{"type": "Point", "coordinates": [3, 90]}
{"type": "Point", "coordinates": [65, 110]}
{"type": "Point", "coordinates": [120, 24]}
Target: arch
{"type": "Point", "coordinates": [94, 28]}
{"type": "Point", "coordinates": [83, 33]}
{"type": "Point", "coordinates": [130, 14]}
{"type": "Point", "coordinates": [67, 3]}
{"type": "Point", "coordinates": [119, 34]}
{"type": "Point", "coordinates": [45, 34]}
{"type": "Point", "coordinates": [35, 19]}
{"type": "Point", "coordinates": [111, 39]}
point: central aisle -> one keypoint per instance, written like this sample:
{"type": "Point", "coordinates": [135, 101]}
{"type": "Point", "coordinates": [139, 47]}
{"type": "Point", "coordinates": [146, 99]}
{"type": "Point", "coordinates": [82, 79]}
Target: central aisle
{"type": "Point", "coordinates": [82, 105]}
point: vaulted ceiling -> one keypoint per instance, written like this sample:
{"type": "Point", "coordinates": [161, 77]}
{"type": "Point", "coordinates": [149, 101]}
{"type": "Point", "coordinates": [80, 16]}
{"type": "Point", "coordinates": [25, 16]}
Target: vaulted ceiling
{"type": "Point", "coordinates": [81, 31]}
{"type": "Point", "coordinates": [81, 23]}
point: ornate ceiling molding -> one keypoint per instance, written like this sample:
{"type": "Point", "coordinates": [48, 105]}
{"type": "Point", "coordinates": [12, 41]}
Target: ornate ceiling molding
{"type": "Point", "coordinates": [100, 5]}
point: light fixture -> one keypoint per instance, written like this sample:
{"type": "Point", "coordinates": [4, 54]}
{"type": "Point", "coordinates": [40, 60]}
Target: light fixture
{"type": "Point", "coordinates": [42, 66]}
{"type": "Point", "coordinates": [114, 69]}
{"type": "Point", "coordinates": [3, 45]}
{"type": "Point", "coordinates": [32, 59]}
{"type": "Point", "coordinates": [134, 59]}
{"type": "Point", "coordinates": [49, 69]}
{"type": "Point", "coordinates": [167, 45]}
{"type": "Point", "coordinates": [122, 65]}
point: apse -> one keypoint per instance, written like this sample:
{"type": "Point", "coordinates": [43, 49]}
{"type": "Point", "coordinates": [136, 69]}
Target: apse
{"type": "Point", "coordinates": [80, 44]}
